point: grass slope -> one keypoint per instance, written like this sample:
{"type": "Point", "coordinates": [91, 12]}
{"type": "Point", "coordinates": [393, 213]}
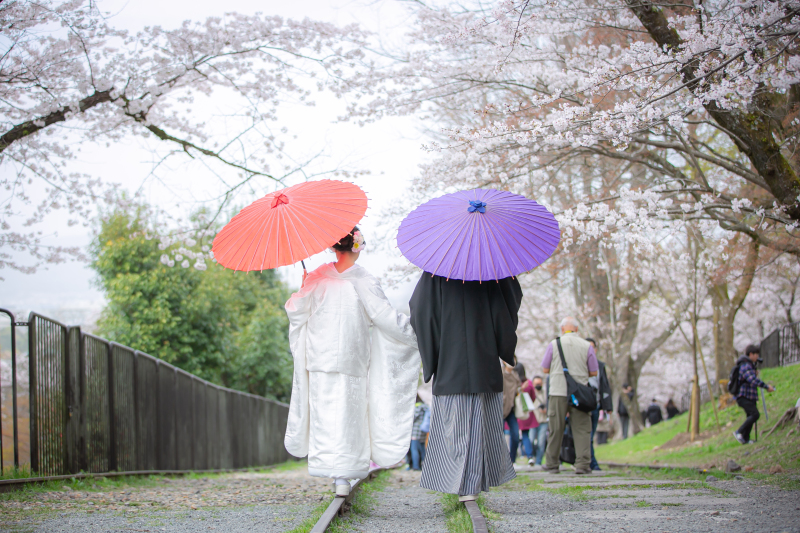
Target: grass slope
{"type": "Point", "coordinates": [714, 448]}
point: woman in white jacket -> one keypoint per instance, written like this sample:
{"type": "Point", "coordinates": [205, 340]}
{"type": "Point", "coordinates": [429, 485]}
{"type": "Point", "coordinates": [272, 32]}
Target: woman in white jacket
{"type": "Point", "coordinates": [356, 365]}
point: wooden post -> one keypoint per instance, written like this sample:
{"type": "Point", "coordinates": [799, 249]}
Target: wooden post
{"type": "Point", "coordinates": [695, 420]}
{"type": "Point", "coordinates": [705, 371]}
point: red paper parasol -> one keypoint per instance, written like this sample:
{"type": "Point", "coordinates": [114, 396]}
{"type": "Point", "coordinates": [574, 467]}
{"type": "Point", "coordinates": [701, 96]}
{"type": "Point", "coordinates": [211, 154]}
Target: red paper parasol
{"type": "Point", "coordinates": [290, 225]}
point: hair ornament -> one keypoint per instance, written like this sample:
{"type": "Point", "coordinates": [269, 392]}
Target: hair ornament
{"type": "Point", "coordinates": [359, 243]}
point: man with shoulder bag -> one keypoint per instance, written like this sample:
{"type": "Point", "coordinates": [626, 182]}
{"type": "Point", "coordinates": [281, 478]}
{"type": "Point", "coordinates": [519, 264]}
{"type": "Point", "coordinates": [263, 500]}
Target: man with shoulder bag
{"type": "Point", "coordinates": [570, 361]}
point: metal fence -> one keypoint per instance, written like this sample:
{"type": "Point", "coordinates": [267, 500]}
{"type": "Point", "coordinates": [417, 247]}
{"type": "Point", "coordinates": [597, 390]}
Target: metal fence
{"type": "Point", "coordinates": [782, 346]}
{"type": "Point", "coordinates": [98, 406]}
{"type": "Point", "coordinates": [686, 397]}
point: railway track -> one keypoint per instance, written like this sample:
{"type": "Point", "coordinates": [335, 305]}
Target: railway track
{"type": "Point", "coordinates": [340, 505]}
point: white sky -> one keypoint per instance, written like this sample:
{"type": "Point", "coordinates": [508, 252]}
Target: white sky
{"type": "Point", "coordinates": [389, 149]}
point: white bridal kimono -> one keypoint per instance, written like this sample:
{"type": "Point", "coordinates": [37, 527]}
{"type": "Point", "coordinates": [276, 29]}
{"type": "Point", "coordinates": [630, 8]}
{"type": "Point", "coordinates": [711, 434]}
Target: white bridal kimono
{"type": "Point", "coordinates": [354, 385]}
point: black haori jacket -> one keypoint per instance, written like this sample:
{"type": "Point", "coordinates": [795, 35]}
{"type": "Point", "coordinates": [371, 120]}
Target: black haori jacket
{"type": "Point", "coordinates": [462, 329]}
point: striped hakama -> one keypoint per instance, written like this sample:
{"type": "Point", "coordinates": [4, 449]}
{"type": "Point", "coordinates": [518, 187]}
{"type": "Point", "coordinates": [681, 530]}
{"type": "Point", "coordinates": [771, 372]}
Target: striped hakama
{"type": "Point", "coordinates": [467, 451]}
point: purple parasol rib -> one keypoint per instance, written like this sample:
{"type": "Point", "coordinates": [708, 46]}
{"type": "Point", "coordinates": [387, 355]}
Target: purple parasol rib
{"type": "Point", "coordinates": [513, 235]}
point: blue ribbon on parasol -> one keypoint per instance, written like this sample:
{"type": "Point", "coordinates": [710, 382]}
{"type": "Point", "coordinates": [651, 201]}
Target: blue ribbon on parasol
{"type": "Point", "coordinates": [475, 205]}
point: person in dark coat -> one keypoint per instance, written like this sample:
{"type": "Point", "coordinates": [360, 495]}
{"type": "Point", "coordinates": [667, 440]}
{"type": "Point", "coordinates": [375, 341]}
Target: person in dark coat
{"type": "Point", "coordinates": [672, 409]}
{"type": "Point", "coordinates": [653, 413]}
{"type": "Point", "coordinates": [464, 329]}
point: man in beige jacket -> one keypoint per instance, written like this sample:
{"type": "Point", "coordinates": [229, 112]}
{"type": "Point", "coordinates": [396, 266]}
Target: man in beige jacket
{"type": "Point", "coordinates": [582, 363]}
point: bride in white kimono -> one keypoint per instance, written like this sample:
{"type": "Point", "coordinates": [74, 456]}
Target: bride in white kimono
{"type": "Point", "coordinates": [356, 365]}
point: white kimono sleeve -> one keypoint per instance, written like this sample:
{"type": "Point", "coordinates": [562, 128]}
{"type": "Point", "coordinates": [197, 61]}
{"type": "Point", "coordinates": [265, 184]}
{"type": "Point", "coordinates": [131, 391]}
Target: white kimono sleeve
{"type": "Point", "coordinates": [393, 376]}
{"type": "Point", "coordinates": [298, 309]}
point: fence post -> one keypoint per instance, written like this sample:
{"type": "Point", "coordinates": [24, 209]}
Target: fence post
{"type": "Point", "coordinates": [112, 423]}
{"type": "Point", "coordinates": [175, 416]}
{"type": "Point", "coordinates": [34, 434]}
{"type": "Point", "coordinates": [137, 453]}
{"type": "Point", "coordinates": [193, 433]}
{"type": "Point", "coordinates": [69, 403]}
{"type": "Point", "coordinates": [83, 463]}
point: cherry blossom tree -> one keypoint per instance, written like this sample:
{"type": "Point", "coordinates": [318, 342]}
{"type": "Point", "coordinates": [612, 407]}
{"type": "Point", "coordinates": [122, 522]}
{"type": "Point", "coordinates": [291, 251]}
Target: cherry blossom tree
{"type": "Point", "coordinates": [699, 102]}
{"type": "Point", "coordinates": [70, 80]}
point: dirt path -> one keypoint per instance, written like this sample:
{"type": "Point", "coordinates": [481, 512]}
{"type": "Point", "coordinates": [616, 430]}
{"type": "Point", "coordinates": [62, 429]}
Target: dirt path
{"type": "Point", "coordinates": [266, 502]}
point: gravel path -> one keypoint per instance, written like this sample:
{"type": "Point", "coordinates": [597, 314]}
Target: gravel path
{"type": "Point", "coordinates": [264, 502]}
{"type": "Point", "coordinates": [534, 502]}
{"type": "Point", "coordinates": [404, 507]}
{"type": "Point", "coordinates": [556, 503]}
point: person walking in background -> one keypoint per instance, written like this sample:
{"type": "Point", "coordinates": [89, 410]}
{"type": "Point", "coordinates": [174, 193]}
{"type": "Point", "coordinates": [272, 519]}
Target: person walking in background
{"type": "Point", "coordinates": [422, 414]}
{"type": "Point", "coordinates": [540, 412]}
{"type": "Point", "coordinates": [582, 364]}
{"type": "Point", "coordinates": [529, 423]}
{"type": "Point", "coordinates": [511, 385]}
{"type": "Point", "coordinates": [653, 413]}
{"type": "Point", "coordinates": [672, 409]}
{"type": "Point", "coordinates": [747, 395]}
{"type": "Point", "coordinates": [622, 411]}
{"type": "Point", "coordinates": [464, 330]}
{"type": "Point", "coordinates": [604, 400]}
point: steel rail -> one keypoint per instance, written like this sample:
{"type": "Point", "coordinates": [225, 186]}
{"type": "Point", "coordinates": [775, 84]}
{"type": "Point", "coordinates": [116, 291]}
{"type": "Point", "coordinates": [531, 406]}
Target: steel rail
{"type": "Point", "coordinates": [340, 504]}
{"type": "Point", "coordinates": [478, 520]}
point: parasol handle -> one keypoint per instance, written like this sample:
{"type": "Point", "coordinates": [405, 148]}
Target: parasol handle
{"type": "Point", "coordinates": [305, 274]}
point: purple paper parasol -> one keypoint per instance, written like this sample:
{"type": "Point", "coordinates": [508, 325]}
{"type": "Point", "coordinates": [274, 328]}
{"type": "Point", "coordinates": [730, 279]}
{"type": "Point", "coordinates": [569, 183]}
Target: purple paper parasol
{"type": "Point", "coordinates": [479, 235]}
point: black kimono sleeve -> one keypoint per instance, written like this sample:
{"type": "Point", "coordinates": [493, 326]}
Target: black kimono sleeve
{"type": "Point", "coordinates": [426, 319]}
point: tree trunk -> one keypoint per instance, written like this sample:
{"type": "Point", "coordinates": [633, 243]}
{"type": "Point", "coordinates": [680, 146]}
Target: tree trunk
{"type": "Point", "coordinates": [615, 326]}
{"type": "Point", "coordinates": [725, 310]}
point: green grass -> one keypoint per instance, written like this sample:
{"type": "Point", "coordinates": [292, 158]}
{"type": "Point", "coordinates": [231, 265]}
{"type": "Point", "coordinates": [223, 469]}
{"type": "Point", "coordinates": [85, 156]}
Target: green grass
{"type": "Point", "coordinates": [457, 517]}
{"type": "Point", "coordinates": [779, 448]}
{"type": "Point", "coordinates": [16, 473]}
{"type": "Point", "coordinates": [362, 503]}
{"type": "Point", "coordinates": [361, 506]}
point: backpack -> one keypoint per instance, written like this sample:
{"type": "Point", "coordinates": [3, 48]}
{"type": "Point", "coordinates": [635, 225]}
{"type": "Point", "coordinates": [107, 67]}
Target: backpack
{"type": "Point", "coordinates": [733, 378]}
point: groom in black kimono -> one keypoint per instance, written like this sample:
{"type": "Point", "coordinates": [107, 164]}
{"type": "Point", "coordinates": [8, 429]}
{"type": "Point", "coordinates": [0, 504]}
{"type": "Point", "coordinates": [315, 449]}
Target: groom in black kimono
{"type": "Point", "coordinates": [464, 329]}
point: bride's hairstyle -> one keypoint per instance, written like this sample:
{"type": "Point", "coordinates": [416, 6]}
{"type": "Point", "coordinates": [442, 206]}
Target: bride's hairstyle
{"type": "Point", "coordinates": [346, 243]}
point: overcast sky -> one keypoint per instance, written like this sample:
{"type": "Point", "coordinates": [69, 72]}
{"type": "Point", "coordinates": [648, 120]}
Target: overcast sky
{"type": "Point", "coordinates": [390, 150]}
